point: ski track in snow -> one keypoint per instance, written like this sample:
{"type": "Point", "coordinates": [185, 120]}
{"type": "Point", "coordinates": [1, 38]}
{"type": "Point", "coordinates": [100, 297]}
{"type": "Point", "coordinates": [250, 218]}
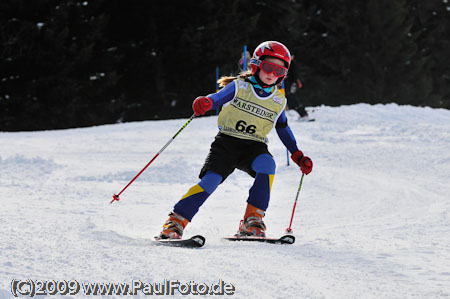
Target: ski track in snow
{"type": "Point", "coordinates": [372, 220]}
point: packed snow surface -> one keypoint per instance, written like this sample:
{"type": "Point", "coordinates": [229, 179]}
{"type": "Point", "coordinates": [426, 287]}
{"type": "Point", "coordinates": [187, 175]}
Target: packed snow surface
{"type": "Point", "coordinates": [372, 219]}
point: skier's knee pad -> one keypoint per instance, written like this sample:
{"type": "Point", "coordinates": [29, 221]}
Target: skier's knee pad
{"type": "Point", "coordinates": [210, 181]}
{"type": "Point", "coordinates": [264, 163]}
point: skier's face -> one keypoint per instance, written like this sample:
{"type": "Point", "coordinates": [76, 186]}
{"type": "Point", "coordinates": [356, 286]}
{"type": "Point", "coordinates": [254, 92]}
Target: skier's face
{"type": "Point", "coordinates": [270, 78]}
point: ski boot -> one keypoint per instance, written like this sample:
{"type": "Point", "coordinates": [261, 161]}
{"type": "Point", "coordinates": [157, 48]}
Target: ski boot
{"type": "Point", "coordinates": [174, 226]}
{"type": "Point", "coordinates": [252, 224]}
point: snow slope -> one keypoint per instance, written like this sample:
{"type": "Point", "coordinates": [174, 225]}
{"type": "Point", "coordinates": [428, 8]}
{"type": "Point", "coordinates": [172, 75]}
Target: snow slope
{"type": "Point", "coordinates": [372, 221]}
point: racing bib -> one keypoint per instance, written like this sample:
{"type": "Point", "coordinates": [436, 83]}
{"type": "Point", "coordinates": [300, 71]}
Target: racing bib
{"type": "Point", "coordinates": [249, 116]}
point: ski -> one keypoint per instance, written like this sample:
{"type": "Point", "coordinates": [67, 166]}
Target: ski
{"type": "Point", "coordinates": [286, 239]}
{"type": "Point", "coordinates": [198, 240]}
{"type": "Point", "coordinates": [305, 120]}
{"type": "Point", "coordinates": [193, 242]}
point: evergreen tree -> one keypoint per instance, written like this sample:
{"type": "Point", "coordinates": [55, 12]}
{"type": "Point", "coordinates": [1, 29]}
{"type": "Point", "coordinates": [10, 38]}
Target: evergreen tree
{"type": "Point", "coordinates": [433, 23]}
{"type": "Point", "coordinates": [78, 63]}
{"type": "Point", "coordinates": [56, 73]}
{"type": "Point", "coordinates": [372, 55]}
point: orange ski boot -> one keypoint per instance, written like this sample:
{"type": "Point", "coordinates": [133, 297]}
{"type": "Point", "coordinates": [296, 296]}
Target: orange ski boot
{"type": "Point", "coordinates": [252, 224]}
{"type": "Point", "coordinates": [174, 226]}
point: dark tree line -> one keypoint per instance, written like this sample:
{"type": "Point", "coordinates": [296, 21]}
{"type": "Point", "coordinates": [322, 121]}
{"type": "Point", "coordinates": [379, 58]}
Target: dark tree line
{"type": "Point", "coordinates": [80, 63]}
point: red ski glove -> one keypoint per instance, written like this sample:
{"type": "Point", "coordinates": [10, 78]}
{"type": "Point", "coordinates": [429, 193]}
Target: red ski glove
{"type": "Point", "coordinates": [304, 162]}
{"type": "Point", "coordinates": [201, 105]}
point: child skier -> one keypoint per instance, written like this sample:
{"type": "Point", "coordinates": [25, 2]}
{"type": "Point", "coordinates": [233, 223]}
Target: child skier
{"type": "Point", "coordinates": [252, 107]}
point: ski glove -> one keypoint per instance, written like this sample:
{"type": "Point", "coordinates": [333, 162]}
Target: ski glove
{"type": "Point", "coordinates": [201, 105]}
{"type": "Point", "coordinates": [304, 162]}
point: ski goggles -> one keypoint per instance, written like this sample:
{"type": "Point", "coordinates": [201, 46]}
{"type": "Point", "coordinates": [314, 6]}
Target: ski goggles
{"type": "Point", "coordinates": [269, 67]}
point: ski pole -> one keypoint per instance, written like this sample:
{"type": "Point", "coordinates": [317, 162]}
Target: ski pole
{"type": "Point", "coordinates": [289, 229]}
{"type": "Point", "coordinates": [116, 196]}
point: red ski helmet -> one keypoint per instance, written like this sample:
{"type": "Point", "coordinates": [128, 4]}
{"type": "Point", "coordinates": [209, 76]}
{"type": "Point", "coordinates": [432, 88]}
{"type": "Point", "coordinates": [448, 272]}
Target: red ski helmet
{"type": "Point", "coordinates": [270, 49]}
